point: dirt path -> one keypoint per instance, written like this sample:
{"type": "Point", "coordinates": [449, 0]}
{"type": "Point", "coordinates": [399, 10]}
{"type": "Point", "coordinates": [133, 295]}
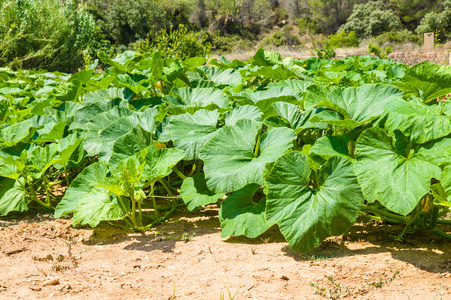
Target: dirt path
{"type": "Point", "coordinates": [44, 258]}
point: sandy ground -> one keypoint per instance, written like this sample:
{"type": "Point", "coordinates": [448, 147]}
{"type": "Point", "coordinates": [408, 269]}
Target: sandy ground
{"type": "Point", "coordinates": [185, 258]}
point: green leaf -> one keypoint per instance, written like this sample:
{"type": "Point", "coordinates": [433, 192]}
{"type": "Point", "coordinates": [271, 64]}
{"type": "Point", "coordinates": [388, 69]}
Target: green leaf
{"type": "Point", "coordinates": [98, 207]}
{"type": "Point", "coordinates": [129, 144]}
{"type": "Point", "coordinates": [232, 160]}
{"type": "Point", "coordinates": [159, 162]}
{"type": "Point", "coordinates": [307, 216]}
{"type": "Point", "coordinates": [332, 146]}
{"type": "Point", "coordinates": [437, 152]}
{"type": "Point", "coordinates": [83, 187]}
{"type": "Point", "coordinates": [358, 105]}
{"type": "Point", "coordinates": [427, 80]}
{"type": "Point", "coordinates": [12, 196]}
{"type": "Point", "coordinates": [415, 119]}
{"type": "Point", "coordinates": [191, 132]}
{"type": "Point", "coordinates": [240, 215]}
{"type": "Point", "coordinates": [195, 193]}
{"type": "Point", "coordinates": [224, 63]}
{"type": "Point", "coordinates": [227, 77]}
{"type": "Point", "coordinates": [264, 99]}
{"type": "Point", "coordinates": [16, 133]}
{"type": "Point", "coordinates": [266, 58]}
{"type": "Point", "coordinates": [446, 184]}
{"type": "Point", "coordinates": [397, 180]}
{"type": "Point", "coordinates": [243, 112]}
{"type": "Point", "coordinates": [440, 195]}
{"type": "Point", "coordinates": [201, 97]}
{"type": "Point", "coordinates": [102, 142]}
{"type": "Point", "coordinates": [42, 158]}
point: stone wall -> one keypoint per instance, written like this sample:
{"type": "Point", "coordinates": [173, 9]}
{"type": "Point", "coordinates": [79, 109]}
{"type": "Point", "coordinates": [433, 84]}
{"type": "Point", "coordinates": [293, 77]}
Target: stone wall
{"type": "Point", "coordinates": [413, 58]}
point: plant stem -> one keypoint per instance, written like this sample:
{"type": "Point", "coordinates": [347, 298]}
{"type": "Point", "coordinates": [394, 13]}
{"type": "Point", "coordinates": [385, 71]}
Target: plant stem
{"type": "Point", "coordinates": [434, 217]}
{"type": "Point", "coordinates": [140, 215]}
{"type": "Point", "coordinates": [193, 169]}
{"type": "Point", "coordinates": [165, 187]}
{"type": "Point", "coordinates": [154, 202]}
{"type": "Point", "coordinates": [179, 174]}
{"type": "Point", "coordinates": [443, 212]}
{"type": "Point", "coordinates": [257, 146]}
{"type": "Point", "coordinates": [54, 183]}
{"type": "Point", "coordinates": [417, 211]}
{"type": "Point", "coordinates": [383, 213]}
{"type": "Point", "coordinates": [159, 220]}
{"type": "Point", "coordinates": [351, 148]}
{"type": "Point", "coordinates": [35, 198]}
{"type": "Point", "coordinates": [441, 233]}
{"type": "Point", "coordinates": [66, 176]}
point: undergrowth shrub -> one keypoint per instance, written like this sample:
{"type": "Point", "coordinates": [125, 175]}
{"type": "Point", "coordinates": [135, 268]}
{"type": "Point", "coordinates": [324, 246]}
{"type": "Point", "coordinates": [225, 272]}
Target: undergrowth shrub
{"type": "Point", "coordinates": [378, 51]}
{"type": "Point", "coordinates": [284, 37]}
{"type": "Point", "coordinates": [398, 37]}
{"type": "Point", "coordinates": [46, 34]}
{"type": "Point", "coordinates": [342, 39]}
{"type": "Point", "coordinates": [180, 43]}
{"type": "Point", "coordinates": [230, 43]}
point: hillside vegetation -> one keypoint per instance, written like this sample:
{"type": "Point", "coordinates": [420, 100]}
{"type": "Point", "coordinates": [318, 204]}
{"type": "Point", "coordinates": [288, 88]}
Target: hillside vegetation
{"type": "Point", "coordinates": [67, 35]}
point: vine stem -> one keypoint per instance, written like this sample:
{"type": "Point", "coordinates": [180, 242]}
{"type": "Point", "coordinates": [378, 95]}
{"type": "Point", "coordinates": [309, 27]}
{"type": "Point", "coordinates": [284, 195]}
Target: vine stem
{"type": "Point", "coordinates": [257, 146]}
{"type": "Point", "coordinates": [384, 213]}
{"type": "Point", "coordinates": [441, 233]}
{"type": "Point", "coordinates": [179, 174]}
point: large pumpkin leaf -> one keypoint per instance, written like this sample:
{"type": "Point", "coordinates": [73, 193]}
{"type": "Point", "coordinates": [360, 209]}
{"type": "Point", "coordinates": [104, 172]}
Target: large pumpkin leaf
{"type": "Point", "coordinates": [129, 144]}
{"type": "Point", "coordinates": [437, 152]}
{"type": "Point", "coordinates": [201, 97]}
{"type": "Point", "coordinates": [446, 182]}
{"type": "Point", "coordinates": [358, 105]}
{"type": "Point", "coordinates": [16, 133]}
{"type": "Point", "coordinates": [159, 162]}
{"type": "Point", "coordinates": [191, 132]}
{"type": "Point", "coordinates": [242, 112]}
{"type": "Point", "coordinates": [232, 160]}
{"type": "Point", "coordinates": [266, 58]}
{"type": "Point", "coordinates": [231, 77]}
{"type": "Point", "coordinates": [12, 196]}
{"type": "Point", "coordinates": [240, 215]}
{"type": "Point", "coordinates": [427, 80]}
{"type": "Point", "coordinates": [307, 216]}
{"type": "Point", "coordinates": [397, 180]}
{"type": "Point", "coordinates": [195, 193]}
{"type": "Point", "coordinates": [264, 99]}
{"type": "Point", "coordinates": [91, 204]}
{"type": "Point", "coordinates": [332, 146]}
{"type": "Point", "coordinates": [415, 119]}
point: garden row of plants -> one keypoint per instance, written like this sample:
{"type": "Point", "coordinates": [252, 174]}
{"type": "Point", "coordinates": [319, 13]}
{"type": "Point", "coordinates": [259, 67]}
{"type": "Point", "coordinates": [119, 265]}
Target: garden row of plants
{"type": "Point", "coordinates": [307, 145]}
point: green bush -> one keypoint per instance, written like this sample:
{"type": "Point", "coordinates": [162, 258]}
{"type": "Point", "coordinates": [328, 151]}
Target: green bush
{"type": "Point", "coordinates": [397, 37]}
{"type": "Point", "coordinates": [307, 26]}
{"type": "Point", "coordinates": [124, 22]}
{"type": "Point", "coordinates": [44, 34]}
{"type": "Point", "coordinates": [371, 19]}
{"type": "Point", "coordinates": [180, 43]}
{"type": "Point", "coordinates": [325, 53]}
{"type": "Point", "coordinates": [437, 22]}
{"type": "Point", "coordinates": [342, 39]}
{"type": "Point", "coordinates": [277, 39]}
{"type": "Point", "coordinates": [281, 38]}
{"type": "Point", "coordinates": [378, 51]}
{"type": "Point", "coordinates": [230, 43]}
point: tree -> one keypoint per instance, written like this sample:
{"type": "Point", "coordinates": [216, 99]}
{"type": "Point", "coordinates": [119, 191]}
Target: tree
{"type": "Point", "coordinates": [371, 19]}
{"type": "Point", "coordinates": [437, 22]}
{"type": "Point", "coordinates": [412, 11]}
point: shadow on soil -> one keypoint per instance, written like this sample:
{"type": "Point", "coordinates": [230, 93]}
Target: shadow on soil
{"type": "Point", "coordinates": [422, 249]}
{"type": "Point", "coordinates": [181, 226]}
